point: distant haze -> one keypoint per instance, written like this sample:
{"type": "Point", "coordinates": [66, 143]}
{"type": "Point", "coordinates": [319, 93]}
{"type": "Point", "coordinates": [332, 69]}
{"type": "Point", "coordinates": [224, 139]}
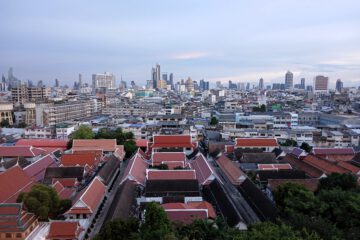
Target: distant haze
{"type": "Point", "coordinates": [238, 40]}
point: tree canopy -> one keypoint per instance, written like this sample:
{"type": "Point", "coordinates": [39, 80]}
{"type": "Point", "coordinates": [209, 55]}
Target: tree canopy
{"type": "Point", "coordinates": [83, 132]}
{"type": "Point", "coordinates": [44, 202]}
{"type": "Point", "coordinates": [214, 121]}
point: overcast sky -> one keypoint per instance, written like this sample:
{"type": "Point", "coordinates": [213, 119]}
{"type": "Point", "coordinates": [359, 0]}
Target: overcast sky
{"type": "Point", "coordinates": [238, 40]}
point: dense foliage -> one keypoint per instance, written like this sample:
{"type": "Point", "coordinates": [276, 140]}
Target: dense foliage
{"type": "Point", "coordinates": [157, 226]}
{"type": "Point", "coordinates": [83, 132]}
{"type": "Point", "coordinates": [214, 121]}
{"type": "Point", "coordinates": [44, 202]}
{"type": "Point", "coordinates": [333, 211]}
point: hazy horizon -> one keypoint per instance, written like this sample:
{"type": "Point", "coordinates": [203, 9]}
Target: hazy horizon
{"type": "Point", "coordinates": [240, 41]}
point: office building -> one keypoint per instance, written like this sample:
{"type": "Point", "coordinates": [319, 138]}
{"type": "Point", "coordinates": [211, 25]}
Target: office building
{"type": "Point", "coordinates": [321, 83]}
{"type": "Point", "coordinates": [261, 84]}
{"type": "Point", "coordinates": [289, 80]}
{"type": "Point", "coordinates": [302, 83]}
{"type": "Point", "coordinates": [339, 85]}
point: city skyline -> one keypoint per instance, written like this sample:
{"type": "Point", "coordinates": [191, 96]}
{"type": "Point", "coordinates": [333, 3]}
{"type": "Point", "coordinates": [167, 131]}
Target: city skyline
{"type": "Point", "coordinates": [127, 39]}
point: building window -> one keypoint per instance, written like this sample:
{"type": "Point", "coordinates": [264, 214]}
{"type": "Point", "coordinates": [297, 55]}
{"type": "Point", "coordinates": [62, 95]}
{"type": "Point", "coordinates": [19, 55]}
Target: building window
{"type": "Point", "coordinates": [18, 235]}
{"type": "Point", "coordinates": [8, 235]}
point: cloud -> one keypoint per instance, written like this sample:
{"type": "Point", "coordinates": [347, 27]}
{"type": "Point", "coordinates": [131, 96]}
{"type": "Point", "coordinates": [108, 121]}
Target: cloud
{"type": "Point", "coordinates": [190, 55]}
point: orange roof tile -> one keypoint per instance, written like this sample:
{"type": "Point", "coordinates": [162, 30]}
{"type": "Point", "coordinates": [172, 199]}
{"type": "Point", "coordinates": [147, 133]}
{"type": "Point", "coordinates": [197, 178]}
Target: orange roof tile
{"type": "Point", "coordinates": [234, 174]}
{"type": "Point", "coordinates": [155, 174]}
{"type": "Point", "coordinates": [323, 165]}
{"type": "Point", "coordinates": [159, 157]}
{"type": "Point", "coordinates": [12, 182]}
{"type": "Point", "coordinates": [51, 143]}
{"type": "Point", "coordinates": [256, 142]}
{"type": "Point", "coordinates": [64, 230]}
{"type": "Point", "coordinates": [107, 145]}
{"type": "Point", "coordinates": [172, 141]}
{"type": "Point", "coordinates": [89, 158]}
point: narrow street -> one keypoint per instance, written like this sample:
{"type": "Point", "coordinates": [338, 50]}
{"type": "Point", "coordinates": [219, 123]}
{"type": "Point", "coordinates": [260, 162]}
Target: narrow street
{"type": "Point", "coordinates": [107, 205]}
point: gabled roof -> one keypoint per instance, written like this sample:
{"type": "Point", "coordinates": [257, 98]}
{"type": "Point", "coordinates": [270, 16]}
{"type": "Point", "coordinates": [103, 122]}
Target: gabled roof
{"type": "Point", "coordinates": [297, 152]}
{"type": "Point", "coordinates": [20, 151]}
{"type": "Point", "coordinates": [66, 182]}
{"type": "Point", "coordinates": [349, 167]}
{"type": "Point", "coordinates": [108, 170]}
{"type": "Point", "coordinates": [323, 165]}
{"type": "Point", "coordinates": [63, 192]}
{"type": "Point", "coordinates": [309, 183]}
{"type": "Point", "coordinates": [136, 169]}
{"type": "Point", "coordinates": [161, 157]}
{"type": "Point", "coordinates": [12, 182]}
{"type": "Point", "coordinates": [256, 142]}
{"type": "Point", "coordinates": [14, 219]}
{"type": "Point", "coordinates": [333, 151]}
{"type": "Point", "coordinates": [90, 199]}
{"type": "Point", "coordinates": [142, 143]}
{"type": "Point", "coordinates": [155, 174]}
{"type": "Point", "coordinates": [204, 172]}
{"type": "Point", "coordinates": [63, 172]}
{"type": "Point", "coordinates": [233, 173]}
{"type": "Point", "coordinates": [64, 230]}
{"type": "Point", "coordinates": [280, 174]}
{"type": "Point", "coordinates": [172, 141]}
{"type": "Point", "coordinates": [303, 166]}
{"type": "Point", "coordinates": [43, 143]}
{"type": "Point", "coordinates": [187, 212]}
{"type": "Point", "coordinates": [276, 166]}
{"type": "Point", "coordinates": [76, 159]}
{"type": "Point", "coordinates": [107, 145]}
{"type": "Point", "coordinates": [37, 169]}
{"type": "Point", "coordinates": [120, 152]}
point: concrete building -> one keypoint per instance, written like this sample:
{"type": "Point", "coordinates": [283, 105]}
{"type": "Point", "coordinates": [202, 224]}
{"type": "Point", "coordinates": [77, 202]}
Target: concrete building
{"type": "Point", "coordinates": [24, 94]}
{"type": "Point", "coordinates": [321, 83]}
{"type": "Point", "coordinates": [289, 80]}
{"type": "Point", "coordinates": [103, 80]}
{"type": "Point", "coordinates": [6, 110]}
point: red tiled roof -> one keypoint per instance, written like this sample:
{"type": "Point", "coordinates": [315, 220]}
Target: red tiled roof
{"type": "Point", "coordinates": [349, 167]}
{"type": "Point", "coordinates": [229, 148]}
{"type": "Point", "coordinates": [14, 219]}
{"type": "Point", "coordinates": [64, 230]}
{"type": "Point", "coordinates": [12, 182]}
{"type": "Point", "coordinates": [66, 182]}
{"type": "Point", "coordinates": [187, 212]}
{"type": "Point", "coordinates": [37, 169]}
{"type": "Point", "coordinates": [43, 143]}
{"type": "Point", "coordinates": [234, 174]}
{"type": "Point", "coordinates": [155, 174]}
{"type": "Point", "coordinates": [298, 164]}
{"type": "Point", "coordinates": [333, 151]}
{"type": "Point", "coordinates": [142, 142]}
{"type": "Point", "coordinates": [256, 142]}
{"type": "Point", "coordinates": [204, 172]}
{"type": "Point", "coordinates": [64, 193]}
{"type": "Point", "coordinates": [160, 157]}
{"type": "Point", "coordinates": [309, 183]}
{"type": "Point", "coordinates": [172, 141]}
{"type": "Point", "coordinates": [136, 169]}
{"type": "Point", "coordinates": [107, 145]}
{"type": "Point", "coordinates": [20, 151]}
{"type": "Point", "coordinates": [323, 165]}
{"type": "Point", "coordinates": [82, 159]}
{"type": "Point", "coordinates": [92, 197]}
{"type": "Point", "coordinates": [274, 166]}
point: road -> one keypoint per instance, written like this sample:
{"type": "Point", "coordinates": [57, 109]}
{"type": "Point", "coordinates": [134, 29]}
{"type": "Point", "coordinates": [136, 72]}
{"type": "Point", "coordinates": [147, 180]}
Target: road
{"type": "Point", "coordinates": [110, 197]}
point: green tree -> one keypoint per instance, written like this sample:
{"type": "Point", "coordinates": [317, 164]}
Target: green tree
{"type": "Point", "coordinates": [130, 147]}
{"type": "Point", "coordinates": [335, 180]}
{"type": "Point", "coordinates": [156, 224]}
{"type": "Point", "coordinates": [306, 147]}
{"type": "Point", "coordinates": [214, 121]}
{"type": "Point", "coordinates": [4, 123]}
{"type": "Point", "coordinates": [289, 143]}
{"type": "Point", "coordinates": [83, 132]}
{"type": "Point", "coordinates": [292, 197]}
{"type": "Point", "coordinates": [271, 231]}
{"type": "Point", "coordinates": [119, 229]}
{"type": "Point", "coordinates": [44, 202]}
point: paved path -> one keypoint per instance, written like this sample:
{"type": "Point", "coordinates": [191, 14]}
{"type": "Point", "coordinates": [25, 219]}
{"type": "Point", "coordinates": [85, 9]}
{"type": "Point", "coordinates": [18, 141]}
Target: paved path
{"type": "Point", "coordinates": [110, 197]}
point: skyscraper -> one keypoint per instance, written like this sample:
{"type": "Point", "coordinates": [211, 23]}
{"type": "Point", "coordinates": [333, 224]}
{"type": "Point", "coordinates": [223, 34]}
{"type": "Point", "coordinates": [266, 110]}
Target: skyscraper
{"type": "Point", "coordinates": [321, 83]}
{"type": "Point", "coordinates": [339, 85]}
{"type": "Point", "coordinates": [171, 80]}
{"type": "Point", "coordinates": [155, 76]}
{"type": "Point", "coordinates": [165, 77]}
{"type": "Point", "coordinates": [261, 84]}
{"type": "Point", "coordinates": [302, 83]}
{"type": "Point", "coordinates": [289, 80]}
{"type": "Point", "coordinates": [80, 80]}
{"type": "Point", "coordinates": [57, 84]}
